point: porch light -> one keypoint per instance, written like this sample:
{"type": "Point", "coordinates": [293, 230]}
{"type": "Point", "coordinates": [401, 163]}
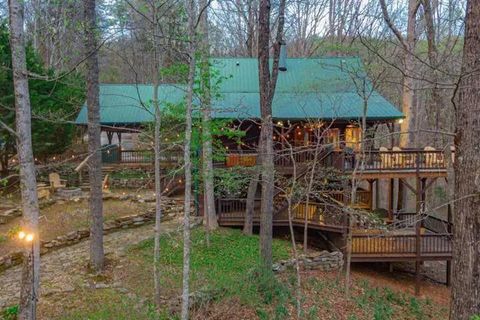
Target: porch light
{"type": "Point", "coordinates": [28, 237]}
{"type": "Point", "coordinates": [280, 123]}
{"type": "Point", "coordinates": [400, 121]}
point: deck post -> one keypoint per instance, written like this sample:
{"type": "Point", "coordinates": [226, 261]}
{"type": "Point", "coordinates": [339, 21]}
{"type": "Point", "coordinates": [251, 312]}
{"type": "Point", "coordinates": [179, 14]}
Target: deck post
{"type": "Point", "coordinates": [418, 236]}
{"type": "Point", "coordinates": [400, 195]}
{"type": "Point", "coordinates": [449, 273]}
{"type": "Point", "coordinates": [390, 198]}
{"type": "Point", "coordinates": [370, 188]}
{"type": "Point", "coordinates": [449, 262]}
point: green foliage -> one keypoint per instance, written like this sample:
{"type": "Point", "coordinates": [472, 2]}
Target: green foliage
{"type": "Point", "coordinates": [232, 182]}
{"type": "Point", "coordinates": [54, 103]}
{"type": "Point", "coordinates": [10, 313]}
{"type": "Point", "coordinates": [229, 267]}
{"type": "Point", "coordinates": [12, 232]}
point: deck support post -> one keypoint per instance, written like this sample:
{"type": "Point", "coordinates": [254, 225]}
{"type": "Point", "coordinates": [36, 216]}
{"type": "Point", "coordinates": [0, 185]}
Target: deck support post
{"type": "Point", "coordinates": [401, 192]}
{"type": "Point", "coordinates": [390, 199]}
{"type": "Point", "coordinates": [418, 265]}
{"type": "Point", "coordinates": [370, 188]}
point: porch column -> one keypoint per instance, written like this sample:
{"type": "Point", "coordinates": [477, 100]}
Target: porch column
{"type": "Point", "coordinates": [109, 136]}
{"type": "Point", "coordinates": [119, 136]}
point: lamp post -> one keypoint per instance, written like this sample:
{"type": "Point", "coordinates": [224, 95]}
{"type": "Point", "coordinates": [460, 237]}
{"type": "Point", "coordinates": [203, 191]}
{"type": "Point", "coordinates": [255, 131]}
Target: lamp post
{"type": "Point", "coordinates": [28, 239]}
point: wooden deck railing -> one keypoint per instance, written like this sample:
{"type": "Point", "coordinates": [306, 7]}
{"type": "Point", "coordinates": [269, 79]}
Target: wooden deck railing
{"type": "Point", "coordinates": [434, 243]}
{"type": "Point", "coordinates": [116, 155]}
{"type": "Point", "coordinates": [374, 160]}
{"type": "Point", "coordinates": [396, 160]}
{"type": "Point", "coordinates": [371, 161]}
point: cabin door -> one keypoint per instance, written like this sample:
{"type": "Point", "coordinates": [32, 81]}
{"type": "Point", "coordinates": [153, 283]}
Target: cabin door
{"type": "Point", "coordinates": [353, 137]}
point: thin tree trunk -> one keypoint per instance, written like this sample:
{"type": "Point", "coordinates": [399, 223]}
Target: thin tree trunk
{"type": "Point", "coordinates": [466, 249]}
{"type": "Point", "coordinates": [94, 144]}
{"type": "Point", "coordinates": [157, 150]}
{"type": "Point", "coordinates": [267, 89]}
{"type": "Point", "coordinates": [408, 44]}
{"type": "Point", "coordinates": [250, 205]}
{"type": "Point", "coordinates": [28, 183]}
{"type": "Point", "coordinates": [191, 13]}
{"type": "Point", "coordinates": [408, 138]}
{"type": "Point", "coordinates": [309, 190]}
{"type": "Point", "coordinates": [290, 196]}
{"type": "Point", "coordinates": [358, 169]}
{"type": "Point", "coordinates": [209, 205]}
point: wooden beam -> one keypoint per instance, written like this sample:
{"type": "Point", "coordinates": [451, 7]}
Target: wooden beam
{"type": "Point", "coordinates": [409, 186]}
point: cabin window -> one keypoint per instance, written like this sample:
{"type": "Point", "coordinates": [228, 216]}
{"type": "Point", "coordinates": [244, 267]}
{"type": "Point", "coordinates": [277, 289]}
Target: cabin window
{"type": "Point", "coordinates": [353, 137]}
{"type": "Point", "coordinates": [332, 137]}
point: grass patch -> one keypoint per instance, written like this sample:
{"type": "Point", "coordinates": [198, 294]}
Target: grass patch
{"type": "Point", "coordinates": [229, 265]}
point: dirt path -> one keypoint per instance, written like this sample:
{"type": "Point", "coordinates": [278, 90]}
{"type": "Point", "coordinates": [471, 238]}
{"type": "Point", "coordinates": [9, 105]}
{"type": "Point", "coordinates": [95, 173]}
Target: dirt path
{"type": "Point", "coordinates": [60, 270]}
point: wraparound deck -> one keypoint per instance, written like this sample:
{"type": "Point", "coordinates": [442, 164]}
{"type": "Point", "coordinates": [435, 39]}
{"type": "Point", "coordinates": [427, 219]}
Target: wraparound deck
{"type": "Point", "coordinates": [369, 165]}
{"type": "Point", "coordinates": [433, 242]}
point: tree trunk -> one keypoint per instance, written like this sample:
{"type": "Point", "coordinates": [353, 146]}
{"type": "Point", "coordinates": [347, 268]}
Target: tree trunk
{"type": "Point", "coordinates": [266, 141]}
{"type": "Point", "coordinates": [191, 13]}
{"type": "Point", "coordinates": [94, 144]}
{"type": "Point", "coordinates": [250, 205]}
{"type": "Point", "coordinates": [407, 137]}
{"type": "Point", "coordinates": [207, 161]}
{"type": "Point", "coordinates": [267, 84]}
{"type": "Point", "coordinates": [28, 183]}
{"type": "Point", "coordinates": [466, 250]}
{"type": "Point", "coordinates": [157, 150]}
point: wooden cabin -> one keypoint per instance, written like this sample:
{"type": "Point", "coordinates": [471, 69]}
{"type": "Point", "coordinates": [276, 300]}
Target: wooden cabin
{"type": "Point", "coordinates": [317, 101]}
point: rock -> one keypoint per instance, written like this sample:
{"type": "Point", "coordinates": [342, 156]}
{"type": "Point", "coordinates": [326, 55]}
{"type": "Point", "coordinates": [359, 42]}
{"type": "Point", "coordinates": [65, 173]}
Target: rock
{"type": "Point", "coordinates": [101, 285]}
{"type": "Point", "coordinates": [324, 260]}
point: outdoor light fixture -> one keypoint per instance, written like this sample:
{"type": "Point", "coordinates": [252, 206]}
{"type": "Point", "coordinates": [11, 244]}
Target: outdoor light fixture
{"type": "Point", "coordinates": [28, 237]}
{"type": "Point", "coordinates": [400, 121]}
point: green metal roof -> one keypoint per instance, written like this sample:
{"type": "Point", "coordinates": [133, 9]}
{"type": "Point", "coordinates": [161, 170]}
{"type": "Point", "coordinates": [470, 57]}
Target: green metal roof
{"type": "Point", "coordinates": [320, 88]}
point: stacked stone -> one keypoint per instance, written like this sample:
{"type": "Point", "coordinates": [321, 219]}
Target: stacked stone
{"type": "Point", "coordinates": [323, 260]}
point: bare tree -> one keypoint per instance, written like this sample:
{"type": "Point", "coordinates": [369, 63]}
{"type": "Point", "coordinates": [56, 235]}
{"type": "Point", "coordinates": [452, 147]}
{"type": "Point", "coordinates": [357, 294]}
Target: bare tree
{"type": "Point", "coordinates": [157, 150]}
{"type": "Point", "coordinates": [207, 159]}
{"type": "Point", "coordinates": [94, 145]}
{"type": "Point", "coordinates": [191, 9]}
{"type": "Point", "coordinates": [267, 84]}
{"type": "Point", "coordinates": [466, 250]}
{"type": "Point", "coordinates": [28, 183]}
{"type": "Point", "coordinates": [408, 47]}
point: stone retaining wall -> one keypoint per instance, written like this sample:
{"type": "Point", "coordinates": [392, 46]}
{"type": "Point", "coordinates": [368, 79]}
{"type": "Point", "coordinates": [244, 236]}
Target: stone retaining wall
{"type": "Point", "coordinates": [323, 260]}
{"type": "Point", "coordinates": [11, 213]}
{"type": "Point", "coordinates": [170, 209]}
